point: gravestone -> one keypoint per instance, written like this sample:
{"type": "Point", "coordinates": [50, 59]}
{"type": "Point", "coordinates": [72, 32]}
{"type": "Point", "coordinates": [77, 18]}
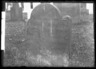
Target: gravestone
{"type": "Point", "coordinates": [54, 32]}
{"type": "Point", "coordinates": [77, 11]}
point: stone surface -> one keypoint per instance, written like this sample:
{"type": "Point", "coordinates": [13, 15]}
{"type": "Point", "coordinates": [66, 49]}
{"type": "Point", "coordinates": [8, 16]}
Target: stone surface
{"type": "Point", "coordinates": [60, 28]}
{"type": "Point", "coordinates": [77, 11]}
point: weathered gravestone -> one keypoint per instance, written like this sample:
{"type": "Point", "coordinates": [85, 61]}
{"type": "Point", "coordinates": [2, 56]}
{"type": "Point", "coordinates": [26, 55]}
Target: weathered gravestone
{"type": "Point", "coordinates": [54, 32]}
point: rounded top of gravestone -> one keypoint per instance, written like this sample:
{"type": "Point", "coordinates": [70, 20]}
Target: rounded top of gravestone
{"type": "Point", "coordinates": [43, 11]}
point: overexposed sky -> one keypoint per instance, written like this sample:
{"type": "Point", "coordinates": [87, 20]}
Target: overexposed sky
{"type": "Point", "coordinates": [90, 7]}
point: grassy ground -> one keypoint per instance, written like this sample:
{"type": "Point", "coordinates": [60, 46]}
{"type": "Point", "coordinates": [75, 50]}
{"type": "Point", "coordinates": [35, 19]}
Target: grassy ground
{"type": "Point", "coordinates": [81, 52]}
